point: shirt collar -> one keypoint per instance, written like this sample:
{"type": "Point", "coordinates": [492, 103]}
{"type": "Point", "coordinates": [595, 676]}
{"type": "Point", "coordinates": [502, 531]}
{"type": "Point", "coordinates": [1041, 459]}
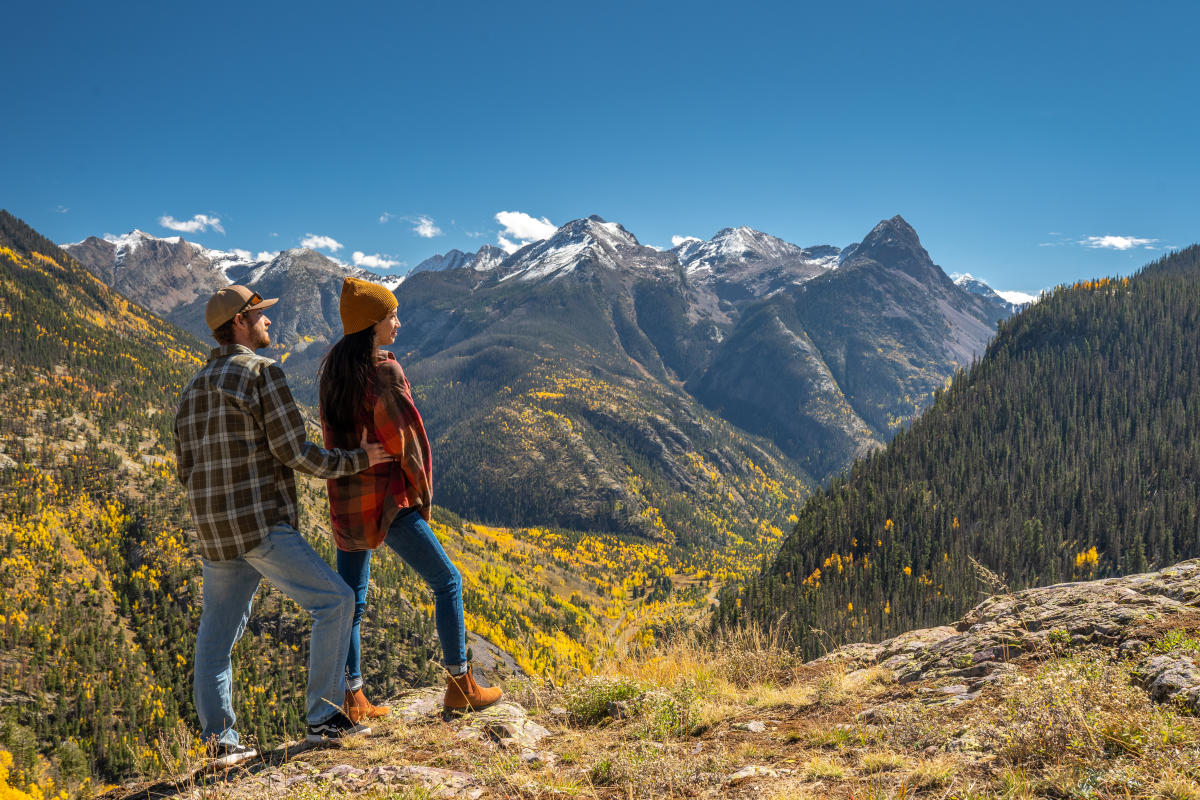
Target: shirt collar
{"type": "Point", "coordinates": [228, 350]}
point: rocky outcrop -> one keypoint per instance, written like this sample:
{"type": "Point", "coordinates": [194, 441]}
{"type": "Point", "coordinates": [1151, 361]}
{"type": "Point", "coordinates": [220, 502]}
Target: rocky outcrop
{"type": "Point", "coordinates": [1127, 614]}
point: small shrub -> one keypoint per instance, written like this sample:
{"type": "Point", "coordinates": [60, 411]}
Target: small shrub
{"type": "Point", "coordinates": [1176, 641]}
{"type": "Point", "coordinates": [603, 773]}
{"type": "Point", "coordinates": [587, 701]}
{"type": "Point", "coordinates": [881, 762]}
{"type": "Point", "coordinates": [932, 773]}
{"type": "Point", "coordinates": [1176, 788]}
{"type": "Point", "coordinates": [824, 769]}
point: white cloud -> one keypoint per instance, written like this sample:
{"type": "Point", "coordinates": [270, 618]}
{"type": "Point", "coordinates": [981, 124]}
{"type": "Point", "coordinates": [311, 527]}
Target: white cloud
{"type": "Point", "coordinates": [425, 227]}
{"type": "Point", "coordinates": [244, 255]}
{"type": "Point", "coordinates": [317, 242]}
{"type": "Point", "coordinates": [1018, 297]}
{"type": "Point", "coordinates": [678, 240]}
{"type": "Point", "coordinates": [522, 227]}
{"type": "Point", "coordinates": [264, 255]}
{"type": "Point", "coordinates": [376, 261]}
{"type": "Point", "coordinates": [197, 224]}
{"type": "Point", "coordinates": [1117, 242]}
{"type": "Point", "coordinates": [63, 209]}
{"type": "Point", "coordinates": [385, 216]}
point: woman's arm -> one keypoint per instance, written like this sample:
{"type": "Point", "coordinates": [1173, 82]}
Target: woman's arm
{"type": "Point", "coordinates": [399, 429]}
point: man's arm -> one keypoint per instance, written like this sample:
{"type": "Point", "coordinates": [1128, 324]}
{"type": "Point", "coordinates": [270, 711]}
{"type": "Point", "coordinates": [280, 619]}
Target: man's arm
{"type": "Point", "coordinates": [183, 463]}
{"type": "Point", "coordinates": [288, 440]}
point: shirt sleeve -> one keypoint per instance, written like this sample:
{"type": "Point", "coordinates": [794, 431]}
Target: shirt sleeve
{"type": "Point", "coordinates": [396, 425]}
{"type": "Point", "coordinates": [183, 462]}
{"type": "Point", "coordinates": [288, 439]}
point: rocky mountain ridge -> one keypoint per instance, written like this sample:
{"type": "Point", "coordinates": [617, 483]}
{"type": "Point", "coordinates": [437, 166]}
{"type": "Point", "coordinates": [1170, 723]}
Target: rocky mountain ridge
{"type": "Point", "coordinates": [820, 352]}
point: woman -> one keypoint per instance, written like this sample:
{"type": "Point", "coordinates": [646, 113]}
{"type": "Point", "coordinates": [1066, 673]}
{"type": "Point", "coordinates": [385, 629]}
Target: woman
{"type": "Point", "coordinates": [361, 386]}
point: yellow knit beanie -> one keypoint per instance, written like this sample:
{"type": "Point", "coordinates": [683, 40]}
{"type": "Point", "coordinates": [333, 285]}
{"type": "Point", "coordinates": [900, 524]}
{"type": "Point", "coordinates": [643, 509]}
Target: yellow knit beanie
{"type": "Point", "coordinates": [363, 304]}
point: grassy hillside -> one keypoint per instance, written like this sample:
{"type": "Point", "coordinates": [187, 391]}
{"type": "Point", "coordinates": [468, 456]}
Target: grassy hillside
{"type": "Point", "coordinates": [1072, 449]}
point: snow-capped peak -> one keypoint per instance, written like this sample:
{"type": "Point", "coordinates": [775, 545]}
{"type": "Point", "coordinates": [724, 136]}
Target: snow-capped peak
{"type": "Point", "coordinates": [131, 241]}
{"type": "Point", "coordinates": [742, 247]}
{"type": "Point", "coordinates": [485, 259]}
{"type": "Point", "coordinates": [968, 282]}
{"type": "Point", "coordinates": [606, 244]}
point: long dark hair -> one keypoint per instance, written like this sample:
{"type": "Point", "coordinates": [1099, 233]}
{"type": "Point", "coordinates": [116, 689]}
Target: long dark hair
{"type": "Point", "coordinates": [347, 371]}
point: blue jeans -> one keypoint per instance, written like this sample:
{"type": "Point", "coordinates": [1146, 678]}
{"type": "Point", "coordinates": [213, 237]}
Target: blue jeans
{"type": "Point", "coordinates": [286, 560]}
{"type": "Point", "coordinates": [411, 538]}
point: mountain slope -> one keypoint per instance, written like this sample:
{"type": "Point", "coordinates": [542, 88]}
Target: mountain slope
{"type": "Point", "coordinates": [98, 587]}
{"type": "Point", "coordinates": [1071, 449]}
{"type": "Point", "coordinates": [551, 401]}
{"type": "Point", "coordinates": [174, 278]}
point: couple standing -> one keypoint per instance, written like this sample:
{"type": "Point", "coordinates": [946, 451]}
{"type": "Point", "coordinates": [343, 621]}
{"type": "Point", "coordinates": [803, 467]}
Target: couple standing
{"type": "Point", "coordinates": [238, 438]}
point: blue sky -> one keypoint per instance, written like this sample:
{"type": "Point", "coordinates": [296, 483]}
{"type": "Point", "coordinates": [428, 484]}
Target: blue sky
{"type": "Point", "coordinates": [1028, 143]}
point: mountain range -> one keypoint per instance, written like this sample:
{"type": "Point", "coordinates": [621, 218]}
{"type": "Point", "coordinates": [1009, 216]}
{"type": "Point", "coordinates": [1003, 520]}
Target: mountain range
{"type": "Point", "coordinates": [1069, 451]}
{"type": "Point", "coordinates": [635, 373]}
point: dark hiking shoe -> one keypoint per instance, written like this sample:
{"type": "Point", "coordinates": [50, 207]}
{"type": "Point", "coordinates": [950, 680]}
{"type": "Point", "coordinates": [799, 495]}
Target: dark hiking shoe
{"type": "Point", "coordinates": [229, 754]}
{"type": "Point", "coordinates": [334, 729]}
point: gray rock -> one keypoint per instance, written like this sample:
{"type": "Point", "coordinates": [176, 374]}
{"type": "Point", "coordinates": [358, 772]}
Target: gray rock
{"type": "Point", "coordinates": [618, 709]}
{"type": "Point", "coordinates": [753, 726]}
{"type": "Point", "coordinates": [1068, 615]}
{"type": "Point", "coordinates": [752, 771]}
{"type": "Point", "coordinates": [1171, 678]}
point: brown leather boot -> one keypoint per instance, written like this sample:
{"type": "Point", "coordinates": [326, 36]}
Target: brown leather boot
{"type": "Point", "coordinates": [358, 707]}
{"type": "Point", "coordinates": [464, 694]}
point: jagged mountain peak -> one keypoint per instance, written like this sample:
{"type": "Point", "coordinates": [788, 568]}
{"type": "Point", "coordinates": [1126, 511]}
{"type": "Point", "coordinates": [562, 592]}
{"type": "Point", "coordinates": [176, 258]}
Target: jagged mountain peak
{"type": "Point", "coordinates": [587, 240]}
{"type": "Point", "coordinates": [892, 235]}
{"type": "Point", "coordinates": [739, 245]}
{"type": "Point", "coordinates": [485, 259]}
{"type": "Point", "coordinates": [612, 233]}
{"type": "Point", "coordinates": [138, 236]}
{"type": "Point", "coordinates": [894, 244]}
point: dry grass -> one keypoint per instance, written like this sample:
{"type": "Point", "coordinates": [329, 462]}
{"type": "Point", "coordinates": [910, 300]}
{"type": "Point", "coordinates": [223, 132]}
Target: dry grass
{"type": "Point", "coordinates": [1069, 726]}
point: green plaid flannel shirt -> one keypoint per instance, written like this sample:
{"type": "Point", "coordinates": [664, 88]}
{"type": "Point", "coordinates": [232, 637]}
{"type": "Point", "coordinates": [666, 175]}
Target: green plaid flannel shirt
{"type": "Point", "coordinates": [238, 436]}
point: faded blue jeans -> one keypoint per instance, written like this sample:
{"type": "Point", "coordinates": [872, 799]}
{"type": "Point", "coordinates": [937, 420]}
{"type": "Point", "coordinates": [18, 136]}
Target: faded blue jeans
{"type": "Point", "coordinates": [290, 564]}
{"type": "Point", "coordinates": [411, 538]}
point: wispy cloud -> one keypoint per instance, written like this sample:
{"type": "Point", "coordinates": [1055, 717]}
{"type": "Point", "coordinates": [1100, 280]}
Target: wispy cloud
{"type": "Point", "coordinates": [62, 209]}
{"type": "Point", "coordinates": [317, 242]}
{"type": "Point", "coordinates": [522, 228]}
{"type": "Point", "coordinates": [1118, 242]}
{"type": "Point", "coordinates": [425, 227]}
{"type": "Point", "coordinates": [376, 261]}
{"type": "Point", "coordinates": [678, 240]}
{"type": "Point", "coordinates": [385, 217]}
{"type": "Point", "coordinates": [197, 224]}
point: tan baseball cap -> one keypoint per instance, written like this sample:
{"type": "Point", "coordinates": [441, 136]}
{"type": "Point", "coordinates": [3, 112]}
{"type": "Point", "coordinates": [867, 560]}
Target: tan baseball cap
{"type": "Point", "coordinates": [231, 301]}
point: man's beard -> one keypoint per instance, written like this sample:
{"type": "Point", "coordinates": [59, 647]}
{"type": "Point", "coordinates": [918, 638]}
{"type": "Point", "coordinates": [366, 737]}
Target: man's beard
{"type": "Point", "coordinates": [262, 341]}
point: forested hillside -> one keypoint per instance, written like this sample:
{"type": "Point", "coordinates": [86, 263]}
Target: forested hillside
{"type": "Point", "coordinates": [98, 591]}
{"type": "Point", "coordinates": [1070, 450]}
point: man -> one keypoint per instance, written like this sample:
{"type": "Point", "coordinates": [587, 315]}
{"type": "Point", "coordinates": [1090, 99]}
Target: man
{"type": "Point", "coordinates": [238, 438]}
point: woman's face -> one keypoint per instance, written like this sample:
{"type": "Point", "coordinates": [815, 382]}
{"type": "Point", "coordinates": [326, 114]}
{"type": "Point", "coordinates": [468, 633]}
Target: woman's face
{"type": "Point", "coordinates": [386, 328]}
